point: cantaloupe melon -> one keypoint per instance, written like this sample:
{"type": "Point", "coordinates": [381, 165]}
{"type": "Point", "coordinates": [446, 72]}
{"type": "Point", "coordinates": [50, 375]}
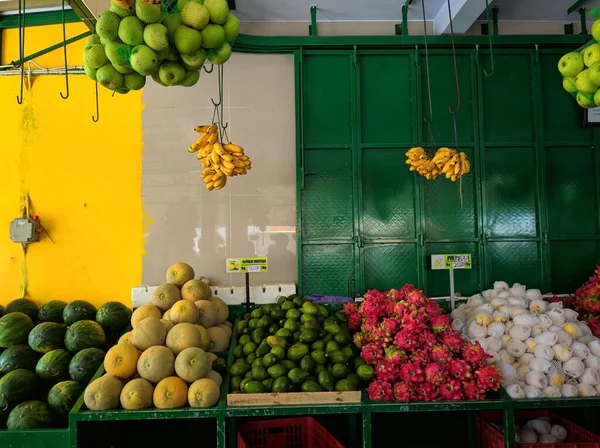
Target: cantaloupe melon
{"type": "Point", "coordinates": [211, 357]}
{"type": "Point", "coordinates": [180, 273]}
{"type": "Point", "coordinates": [207, 313]}
{"type": "Point", "coordinates": [165, 295]}
{"type": "Point", "coordinates": [226, 328]}
{"type": "Point", "coordinates": [167, 324]}
{"type": "Point", "coordinates": [137, 394]}
{"type": "Point", "coordinates": [125, 338]}
{"type": "Point", "coordinates": [121, 361]}
{"type": "Point", "coordinates": [170, 393]}
{"type": "Point", "coordinates": [103, 393]}
{"type": "Point", "coordinates": [222, 309]}
{"type": "Point", "coordinates": [195, 290]}
{"type": "Point", "coordinates": [156, 363]}
{"type": "Point", "coordinates": [148, 333]}
{"type": "Point", "coordinates": [204, 393]}
{"type": "Point", "coordinates": [167, 315]}
{"type": "Point", "coordinates": [143, 312]}
{"type": "Point", "coordinates": [229, 324]}
{"type": "Point", "coordinates": [219, 339]}
{"type": "Point", "coordinates": [192, 364]}
{"type": "Point", "coordinates": [184, 311]}
{"type": "Point", "coordinates": [204, 337]}
{"type": "Point", "coordinates": [215, 376]}
{"type": "Point", "coordinates": [182, 336]}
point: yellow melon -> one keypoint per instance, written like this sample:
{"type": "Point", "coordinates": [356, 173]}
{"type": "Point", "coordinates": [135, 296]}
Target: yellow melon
{"type": "Point", "coordinates": [167, 324]}
{"type": "Point", "coordinates": [180, 273]}
{"type": "Point", "coordinates": [125, 338]}
{"type": "Point", "coordinates": [192, 364]}
{"type": "Point", "coordinates": [222, 309]}
{"type": "Point", "coordinates": [143, 312]}
{"type": "Point", "coordinates": [204, 337]}
{"type": "Point", "coordinates": [103, 393]}
{"type": "Point", "coordinates": [182, 336]}
{"type": "Point", "coordinates": [204, 393]}
{"type": "Point", "coordinates": [207, 313]}
{"type": "Point", "coordinates": [215, 376]}
{"type": "Point", "coordinates": [121, 361]}
{"type": "Point", "coordinates": [167, 315]}
{"type": "Point", "coordinates": [170, 393]}
{"type": "Point", "coordinates": [195, 290]}
{"type": "Point", "coordinates": [137, 394]}
{"type": "Point", "coordinates": [229, 324]}
{"type": "Point", "coordinates": [219, 339]}
{"type": "Point", "coordinates": [184, 311]}
{"type": "Point", "coordinates": [211, 357]}
{"type": "Point", "coordinates": [156, 363]}
{"type": "Point", "coordinates": [165, 295]}
{"type": "Point", "coordinates": [148, 333]}
{"type": "Point", "coordinates": [226, 328]}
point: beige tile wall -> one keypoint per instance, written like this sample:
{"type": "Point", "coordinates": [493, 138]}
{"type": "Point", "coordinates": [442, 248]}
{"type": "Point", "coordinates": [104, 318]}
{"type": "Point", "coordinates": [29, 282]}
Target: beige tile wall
{"type": "Point", "coordinates": [254, 214]}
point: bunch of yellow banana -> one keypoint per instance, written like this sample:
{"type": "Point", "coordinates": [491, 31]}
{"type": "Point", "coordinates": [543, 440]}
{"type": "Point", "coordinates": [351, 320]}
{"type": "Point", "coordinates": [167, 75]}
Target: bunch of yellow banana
{"type": "Point", "coordinates": [446, 161]}
{"type": "Point", "coordinates": [218, 160]}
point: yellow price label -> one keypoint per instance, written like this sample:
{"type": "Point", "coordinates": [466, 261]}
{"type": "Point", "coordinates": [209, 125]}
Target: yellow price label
{"type": "Point", "coordinates": [246, 265]}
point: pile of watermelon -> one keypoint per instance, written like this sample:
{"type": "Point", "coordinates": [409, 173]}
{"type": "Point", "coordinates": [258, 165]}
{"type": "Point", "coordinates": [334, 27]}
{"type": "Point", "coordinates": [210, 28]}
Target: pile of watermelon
{"type": "Point", "coordinates": [49, 354]}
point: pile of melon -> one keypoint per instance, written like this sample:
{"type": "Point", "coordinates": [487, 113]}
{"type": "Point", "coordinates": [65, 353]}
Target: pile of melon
{"type": "Point", "coordinates": [168, 360]}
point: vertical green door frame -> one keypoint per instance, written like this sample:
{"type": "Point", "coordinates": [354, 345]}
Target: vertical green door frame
{"type": "Point", "coordinates": [357, 172]}
{"type": "Point", "coordinates": [419, 181]}
{"type": "Point", "coordinates": [299, 103]}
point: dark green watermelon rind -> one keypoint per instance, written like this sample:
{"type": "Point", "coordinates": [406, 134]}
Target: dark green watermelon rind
{"type": "Point", "coordinates": [14, 329]}
{"type": "Point", "coordinates": [53, 367]}
{"type": "Point", "coordinates": [52, 311]}
{"type": "Point", "coordinates": [25, 306]}
{"type": "Point", "coordinates": [46, 337]}
{"type": "Point", "coordinates": [85, 364]}
{"type": "Point", "coordinates": [17, 386]}
{"type": "Point", "coordinates": [31, 414]}
{"type": "Point", "coordinates": [79, 310]}
{"type": "Point", "coordinates": [18, 357]}
{"type": "Point", "coordinates": [113, 316]}
{"type": "Point", "coordinates": [63, 396]}
{"type": "Point", "coordinates": [84, 334]}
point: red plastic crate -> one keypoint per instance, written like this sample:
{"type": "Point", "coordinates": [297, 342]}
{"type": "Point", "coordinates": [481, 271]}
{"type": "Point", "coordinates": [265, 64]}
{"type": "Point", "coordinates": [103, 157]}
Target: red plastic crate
{"type": "Point", "coordinates": [488, 436]}
{"type": "Point", "coordinates": [301, 432]}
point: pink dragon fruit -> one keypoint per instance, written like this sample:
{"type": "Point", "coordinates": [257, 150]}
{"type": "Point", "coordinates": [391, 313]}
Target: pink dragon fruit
{"type": "Point", "coordinates": [350, 308]}
{"type": "Point", "coordinates": [440, 323]}
{"type": "Point", "coordinates": [441, 354]}
{"type": "Point", "coordinates": [421, 356]}
{"type": "Point", "coordinates": [453, 341]}
{"type": "Point", "coordinates": [380, 391]}
{"type": "Point", "coordinates": [406, 289]}
{"type": "Point", "coordinates": [381, 336]}
{"type": "Point", "coordinates": [474, 354]}
{"type": "Point", "coordinates": [412, 373]}
{"type": "Point", "coordinates": [402, 308]}
{"type": "Point", "coordinates": [425, 392]}
{"type": "Point", "coordinates": [473, 391]}
{"type": "Point", "coordinates": [459, 369]}
{"type": "Point", "coordinates": [392, 324]}
{"type": "Point", "coordinates": [414, 321]}
{"type": "Point", "coordinates": [395, 355]}
{"type": "Point", "coordinates": [488, 378]}
{"type": "Point", "coordinates": [370, 325]}
{"type": "Point", "coordinates": [427, 339]}
{"type": "Point", "coordinates": [432, 308]}
{"type": "Point", "coordinates": [451, 391]}
{"type": "Point", "coordinates": [358, 339]}
{"type": "Point", "coordinates": [371, 353]}
{"type": "Point", "coordinates": [406, 340]}
{"type": "Point", "coordinates": [354, 321]}
{"type": "Point", "coordinates": [386, 370]}
{"type": "Point", "coordinates": [434, 374]}
{"type": "Point", "coordinates": [417, 297]}
{"type": "Point", "coordinates": [403, 391]}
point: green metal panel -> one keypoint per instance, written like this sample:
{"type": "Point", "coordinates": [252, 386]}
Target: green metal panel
{"type": "Point", "coordinates": [466, 281]}
{"type": "Point", "coordinates": [328, 269]}
{"type": "Point", "coordinates": [571, 263]}
{"type": "Point", "coordinates": [515, 262]}
{"type": "Point", "coordinates": [390, 266]}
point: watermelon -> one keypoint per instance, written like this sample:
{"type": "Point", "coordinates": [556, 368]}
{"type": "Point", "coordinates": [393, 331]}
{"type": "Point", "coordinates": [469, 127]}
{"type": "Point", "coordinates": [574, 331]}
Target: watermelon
{"type": "Point", "coordinates": [1, 310]}
{"type": "Point", "coordinates": [113, 316]}
{"type": "Point", "coordinates": [47, 336]}
{"type": "Point", "coordinates": [52, 311]}
{"type": "Point", "coordinates": [3, 417]}
{"type": "Point", "coordinates": [63, 396]}
{"type": "Point", "coordinates": [16, 387]}
{"type": "Point", "coordinates": [18, 357]}
{"type": "Point", "coordinates": [84, 334]}
{"type": "Point", "coordinates": [30, 415]}
{"type": "Point", "coordinates": [53, 367]}
{"type": "Point", "coordinates": [78, 310]}
{"type": "Point", "coordinates": [25, 306]}
{"type": "Point", "coordinates": [14, 329]}
{"type": "Point", "coordinates": [85, 363]}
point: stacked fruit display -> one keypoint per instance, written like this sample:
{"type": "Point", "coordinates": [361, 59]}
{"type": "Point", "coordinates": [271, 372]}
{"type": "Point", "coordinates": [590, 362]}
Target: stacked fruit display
{"type": "Point", "coordinates": [415, 353]}
{"type": "Point", "coordinates": [295, 345]}
{"type": "Point", "coordinates": [581, 71]}
{"type": "Point", "coordinates": [540, 348]}
{"type": "Point", "coordinates": [446, 161]}
{"type": "Point", "coordinates": [49, 355]}
{"type": "Point", "coordinates": [167, 40]}
{"type": "Point", "coordinates": [168, 359]}
{"type": "Point", "coordinates": [218, 159]}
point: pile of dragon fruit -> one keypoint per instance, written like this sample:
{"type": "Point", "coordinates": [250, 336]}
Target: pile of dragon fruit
{"type": "Point", "coordinates": [415, 353]}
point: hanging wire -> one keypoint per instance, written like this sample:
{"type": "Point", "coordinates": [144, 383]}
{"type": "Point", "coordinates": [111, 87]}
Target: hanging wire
{"type": "Point", "coordinates": [212, 67]}
{"type": "Point", "coordinates": [455, 61]}
{"type": "Point", "coordinates": [487, 12]}
{"type": "Point", "coordinates": [97, 117]}
{"type": "Point", "coordinates": [219, 104]}
{"type": "Point", "coordinates": [66, 95]}
{"type": "Point", "coordinates": [21, 45]}
{"type": "Point", "coordinates": [429, 125]}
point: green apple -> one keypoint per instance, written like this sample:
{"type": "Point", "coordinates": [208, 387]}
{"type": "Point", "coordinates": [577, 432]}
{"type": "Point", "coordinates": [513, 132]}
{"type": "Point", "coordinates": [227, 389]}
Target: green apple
{"type": "Point", "coordinates": [596, 30]}
{"type": "Point", "coordinates": [594, 73]}
{"type": "Point", "coordinates": [585, 101]}
{"type": "Point", "coordinates": [569, 85]}
{"type": "Point", "coordinates": [597, 98]}
{"type": "Point", "coordinates": [571, 64]}
{"type": "Point", "coordinates": [584, 84]}
{"type": "Point", "coordinates": [591, 55]}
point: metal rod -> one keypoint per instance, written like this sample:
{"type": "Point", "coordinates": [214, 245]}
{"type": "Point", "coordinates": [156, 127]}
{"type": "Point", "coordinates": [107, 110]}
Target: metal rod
{"type": "Point", "coordinates": [582, 19]}
{"type": "Point", "coordinates": [452, 293]}
{"type": "Point", "coordinates": [575, 6]}
{"type": "Point", "coordinates": [64, 30]}
{"type": "Point", "coordinates": [248, 303]}
{"type": "Point", "coordinates": [495, 13]}
{"type": "Point", "coordinates": [21, 46]}
{"type": "Point", "coordinates": [37, 54]}
{"type": "Point", "coordinates": [52, 72]}
{"type": "Point", "coordinates": [313, 29]}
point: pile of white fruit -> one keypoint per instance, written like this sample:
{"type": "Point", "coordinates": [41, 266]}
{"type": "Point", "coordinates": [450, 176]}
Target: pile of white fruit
{"type": "Point", "coordinates": [581, 71]}
{"type": "Point", "coordinates": [169, 42]}
{"type": "Point", "coordinates": [540, 349]}
{"type": "Point", "coordinates": [540, 430]}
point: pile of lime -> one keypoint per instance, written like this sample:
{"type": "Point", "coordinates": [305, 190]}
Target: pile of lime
{"type": "Point", "coordinates": [295, 345]}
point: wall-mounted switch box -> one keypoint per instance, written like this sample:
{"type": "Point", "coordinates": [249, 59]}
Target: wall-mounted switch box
{"type": "Point", "coordinates": [24, 230]}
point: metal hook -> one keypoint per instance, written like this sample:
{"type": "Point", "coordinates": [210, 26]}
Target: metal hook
{"type": "Point", "coordinates": [212, 67]}
{"type": "Point", "coordinates": [487, 12]}
{"type": "Point", "coordinates": [97, 117]}
{"type": "Point", "coordinates": [66, 95]}
{"type": "Point", "coordinates": [21, 46]}
{"type": "Point", "coordinates": [220, 81]}
{"type": "Point", "coordinates": [455, 62]}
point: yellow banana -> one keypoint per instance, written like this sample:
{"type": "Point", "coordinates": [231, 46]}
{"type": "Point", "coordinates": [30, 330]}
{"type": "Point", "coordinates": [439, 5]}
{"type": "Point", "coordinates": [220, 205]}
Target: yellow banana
{"type": "Point", "coordinates": [233, 149]}
{"type": "Point", "coordinates": [227, 164]}
{"type": "Point", "coordinates": [203, 163]}
{"type": "Point", "coordinates": [210, 186]}
{"type": "Point", "coordinates": [212, 138]}
{"type": "Point", "coordinates": [216, 167]}
{"type": "Point", "coordinates": [203, 128]}
{"type": "Point", "coordinates": [220, 182]}
{"type": "Point", "coordinates": [227, 157]}
{"type": "Point", "coordinates": [207, 173]}
{"type": "Point", "coordinates": [244, 157]}
{"type": "Point", "coordinates": [219, 148]}
{"type": "Point", "coordinates": [216, 176]}
{"type": "Point", "coordinates": [241, 171]}
{"type": "Point", "coordinates": [226, 171]}
{"type": "Point", "coordinates": [238, 163]}
{"type": "Point", "coordinates": [214, 156]}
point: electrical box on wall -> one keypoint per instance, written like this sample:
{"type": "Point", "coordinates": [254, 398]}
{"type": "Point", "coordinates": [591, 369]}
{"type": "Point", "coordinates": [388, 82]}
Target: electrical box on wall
{"type": "Point", "coordinates": [24, 230]}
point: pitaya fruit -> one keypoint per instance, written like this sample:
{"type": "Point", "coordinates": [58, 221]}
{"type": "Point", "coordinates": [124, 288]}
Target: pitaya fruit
{"type": "Point", "coordinates": [425, 392]}
{"type": "Point", "coordinates": [406, 340]}
{"type": "Point", "coordinates": [402, 308]}
{"type": "Point", "coordinates": [473, 391]}
{"type": "Point", "coordinates": [440, 323]}
{"type": "Point", "coordinates": [473, 353]}
{"type": "Point", "coordinates": [434, 374]}
{"type": "Point", "coordinates": [459, 370]}
{"type": "Point", "coordinates": [358, 339]}
{"type": "Point", "coordinates": [452, 340]}
{"type": "Point", "coordinates": [432, 308]}
{"type": "Point", "coordinates": [392, 325]}
{"type": "Point", "coordinates": [450, 391]}
{"type": "Point", "coordinates": [369, 325]}
{"type": "Point", "coordinates": [421, 356]}
{"type": "Point", "coordinates": [441, 354]}
{"type": "Point", "coordinates": [350, 308]}
{"type": "Point", "coordinates": [395, 355]}
{"type": "Point", "coordinates": [488, 378]}
{"type": "Point", "coordinates": [403, 391]}
{"type": "Point", "coordinates": [354, 321]}
{"type": "Point", "coordinates": [407, 289]}
{"type": "Point", "coordinates": [380, 391]}
{"type": "Point", "coordinates": [412, 373]}
{"type": "Point", "coordinates": [371, 353]}
{"type": "Point", "coordinates": [386, 370]}
{"type": "Point", "coordinates": [414, 321]}
{"type": "Point", "coordinates": [417, 297]}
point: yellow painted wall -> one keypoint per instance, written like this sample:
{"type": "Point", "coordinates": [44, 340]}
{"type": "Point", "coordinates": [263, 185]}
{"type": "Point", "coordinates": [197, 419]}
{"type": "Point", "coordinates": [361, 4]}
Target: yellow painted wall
{"type": "Point", "coordinates": [83, 178]}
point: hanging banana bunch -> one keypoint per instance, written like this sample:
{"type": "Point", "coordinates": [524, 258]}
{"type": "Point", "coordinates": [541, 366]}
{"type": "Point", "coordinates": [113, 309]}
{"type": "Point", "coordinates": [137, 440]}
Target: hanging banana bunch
{"type": "Point", "coordinates": [446, 161]}
{"type": "Point", "coordinates": [219, 161]}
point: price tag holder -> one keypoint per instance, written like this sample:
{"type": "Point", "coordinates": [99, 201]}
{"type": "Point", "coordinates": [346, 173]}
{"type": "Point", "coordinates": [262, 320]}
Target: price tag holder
{"type": "Point", "coordinates": [246, 265]}
{"type": "Point", "coordinates": [450, 262]}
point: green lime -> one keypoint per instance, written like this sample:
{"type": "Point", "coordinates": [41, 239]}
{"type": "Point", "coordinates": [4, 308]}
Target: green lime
{"type": "Point", "coordinates": [365, 372]}
{"type": "Point", "coordinates": [293, 314]}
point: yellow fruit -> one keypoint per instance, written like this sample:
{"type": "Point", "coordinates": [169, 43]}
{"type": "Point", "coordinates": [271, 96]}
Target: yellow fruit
{"type": "Point", "coordinates": [214, 156]}
{"type": "Point", "coordinates": [203, 393]}
{"type": "Point", "coordinates": [233, 149]}
{"type": "Point", "coordinates": [121, 361]}
{"type": "Point", "coordinates": [212, 138]}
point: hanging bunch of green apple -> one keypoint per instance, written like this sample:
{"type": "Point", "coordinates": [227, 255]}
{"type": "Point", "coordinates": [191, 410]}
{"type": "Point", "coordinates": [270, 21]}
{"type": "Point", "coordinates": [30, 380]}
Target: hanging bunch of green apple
{"type": "Point", "coordinates": [169, 40]}
{"type": "Point", "coordinates": [581, 71]}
